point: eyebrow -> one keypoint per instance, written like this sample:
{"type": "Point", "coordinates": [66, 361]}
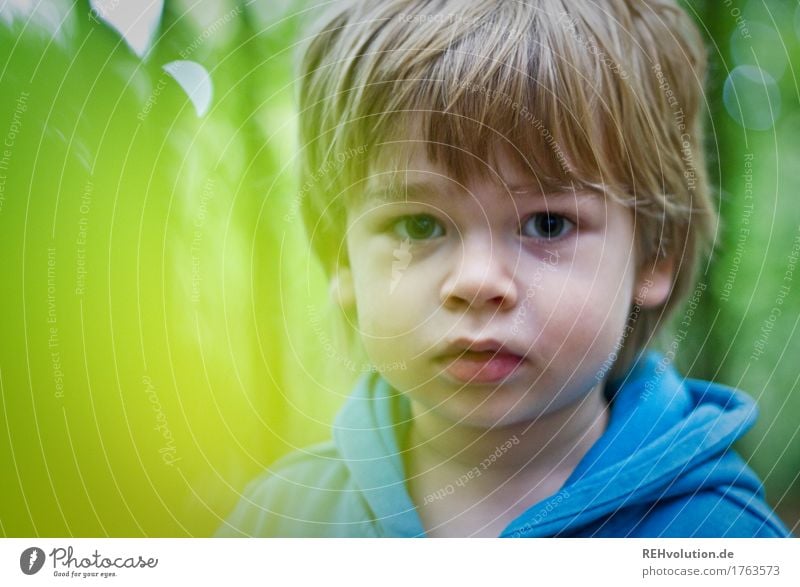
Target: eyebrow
{"type": "Point", "coordinates": [399, 191]}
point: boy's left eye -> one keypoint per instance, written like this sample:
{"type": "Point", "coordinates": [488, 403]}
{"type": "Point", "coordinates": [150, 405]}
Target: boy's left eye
{"type": "Point", "coordinates": [546, 226]}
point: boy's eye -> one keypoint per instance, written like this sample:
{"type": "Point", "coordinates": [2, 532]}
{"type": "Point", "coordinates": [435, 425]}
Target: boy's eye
{"type": "Point", "coordinates": [418, 227]}
{"type": "Point", "coordinates": [543, 225]}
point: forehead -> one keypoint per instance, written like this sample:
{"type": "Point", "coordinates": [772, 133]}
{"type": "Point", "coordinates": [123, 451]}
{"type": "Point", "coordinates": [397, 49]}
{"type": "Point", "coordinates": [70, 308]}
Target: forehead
{"type": "Point", "coordinates": [407, 168]}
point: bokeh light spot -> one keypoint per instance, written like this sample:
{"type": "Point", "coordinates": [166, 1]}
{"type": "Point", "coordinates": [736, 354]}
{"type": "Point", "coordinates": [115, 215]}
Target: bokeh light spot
{"type": "Point", "coordinates": [752, 97]}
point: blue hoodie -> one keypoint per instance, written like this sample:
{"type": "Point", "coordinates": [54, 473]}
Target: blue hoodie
{"type": "Point", "coordinates": [663, 468]}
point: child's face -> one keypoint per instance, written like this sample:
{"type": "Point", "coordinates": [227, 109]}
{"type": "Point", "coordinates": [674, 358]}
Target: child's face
{"type": "Point", "coordinates": [541, 284]}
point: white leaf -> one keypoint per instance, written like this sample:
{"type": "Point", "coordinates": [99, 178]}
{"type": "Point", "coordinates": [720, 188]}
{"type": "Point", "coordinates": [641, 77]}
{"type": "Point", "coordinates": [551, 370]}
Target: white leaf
{"type": "Point", "coordinates": [136, 20]}
{"type": "Point", "coordinates": [195, 81]}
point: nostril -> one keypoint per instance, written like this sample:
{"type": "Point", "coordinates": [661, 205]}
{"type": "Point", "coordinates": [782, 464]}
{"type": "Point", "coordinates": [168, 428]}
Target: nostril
{"type": "Point", "coordinates": [493, 303]}
{"type": "Point", "coordinates": [497, 300]}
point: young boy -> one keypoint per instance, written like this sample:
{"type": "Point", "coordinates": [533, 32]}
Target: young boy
{"type": "Point", "coordinates": [509, 199]}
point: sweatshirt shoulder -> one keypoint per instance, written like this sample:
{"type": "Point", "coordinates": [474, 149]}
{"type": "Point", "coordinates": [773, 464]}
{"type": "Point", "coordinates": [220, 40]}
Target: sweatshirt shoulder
{"type": "Point", "coordinates": [304, 494]}
{"type": "Point", "coordinates": [318, 466]}
{"type": "Point", "coordinates": [713, 513]}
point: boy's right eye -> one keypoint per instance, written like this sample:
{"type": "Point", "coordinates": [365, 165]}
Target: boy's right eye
{"type": "Point", "coordinates": [418, 227]}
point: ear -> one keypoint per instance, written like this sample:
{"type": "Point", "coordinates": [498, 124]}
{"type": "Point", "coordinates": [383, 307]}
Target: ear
{"type": "Point", "coordinates": [341, 290]}
{"type": "Point", "coordinates": [654, 282]}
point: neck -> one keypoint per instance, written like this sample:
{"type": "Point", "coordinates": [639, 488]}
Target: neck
{"type": "Point", "coordinates": [548, 447]}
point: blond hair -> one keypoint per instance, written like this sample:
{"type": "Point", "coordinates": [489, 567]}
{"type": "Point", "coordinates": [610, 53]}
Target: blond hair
{"type": "Point", "coordinates": [603, 96]}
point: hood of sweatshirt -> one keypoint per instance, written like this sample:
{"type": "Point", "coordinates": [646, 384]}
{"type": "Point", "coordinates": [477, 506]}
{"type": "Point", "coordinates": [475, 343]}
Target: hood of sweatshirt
{"type": "Point", "coordinates": [667, 437]}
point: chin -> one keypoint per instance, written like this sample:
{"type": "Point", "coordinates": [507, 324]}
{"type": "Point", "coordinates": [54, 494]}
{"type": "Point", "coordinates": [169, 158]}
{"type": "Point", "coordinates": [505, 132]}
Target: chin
{"type": "Point", "coordinates": [489, 415]}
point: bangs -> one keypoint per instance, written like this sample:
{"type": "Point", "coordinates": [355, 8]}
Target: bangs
{"type": "Point", "coordinates": [469, 92]}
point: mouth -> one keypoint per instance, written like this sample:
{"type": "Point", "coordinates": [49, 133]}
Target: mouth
{"type": "Point", "coordinates": [487, 362]}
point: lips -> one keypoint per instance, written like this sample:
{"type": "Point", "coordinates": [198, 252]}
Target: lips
{"type": "Point", "coordinates": [485, 361]}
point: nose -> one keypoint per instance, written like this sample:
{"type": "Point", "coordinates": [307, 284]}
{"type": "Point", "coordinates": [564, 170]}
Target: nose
{"type": "Point", "coordinates": [484, 277]}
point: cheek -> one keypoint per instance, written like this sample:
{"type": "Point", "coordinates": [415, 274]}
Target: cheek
{"type": "Point", "coordinates": [372, 320]}
{"type": "Point", "coordinates": [385, 312]}
{"type": "Point", "coordinates": [394, 297]}
{"type": "Point", "coordinates": [585, 311]}
{"type": "Point", "coordinates": [371, 286]}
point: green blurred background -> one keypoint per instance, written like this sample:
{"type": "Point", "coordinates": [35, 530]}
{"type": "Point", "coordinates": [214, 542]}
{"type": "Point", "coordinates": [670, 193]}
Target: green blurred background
{"type": "Point", "coordinates": [165, 333]}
